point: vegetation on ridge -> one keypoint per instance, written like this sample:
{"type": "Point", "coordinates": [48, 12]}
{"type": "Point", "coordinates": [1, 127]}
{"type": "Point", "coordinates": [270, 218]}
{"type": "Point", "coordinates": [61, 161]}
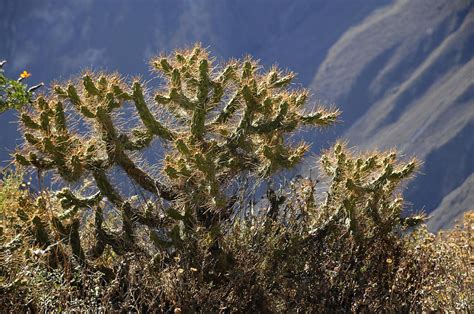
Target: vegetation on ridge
{"type": "Point", "coordinates": [182, 231]}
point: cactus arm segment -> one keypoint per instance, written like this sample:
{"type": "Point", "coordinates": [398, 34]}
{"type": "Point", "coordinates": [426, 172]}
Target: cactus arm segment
{"type": "Point", "coordinates": [90, 86]}
{"type": "Point", "coordinates": [147, 118]}
{"type": "Point", "coordinates": [68, 199]}
{"type": "Point", "coordinates": [229, 109]}
{"type": "Point", "coordinates": [320, 118]}
{"type": "Point", "coordinates": [59, 117]}
{"type": "Point", "coordinates": [29, 122]}
{"type": "Point", "coordinates": [106, 188]}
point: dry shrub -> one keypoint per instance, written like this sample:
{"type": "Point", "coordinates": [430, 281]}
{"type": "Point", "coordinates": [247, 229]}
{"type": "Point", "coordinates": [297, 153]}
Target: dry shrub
{"type": "Point", "coordinates": [265, 265]}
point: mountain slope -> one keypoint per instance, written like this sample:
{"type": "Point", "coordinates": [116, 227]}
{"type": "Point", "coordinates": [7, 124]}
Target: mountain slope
{"type": "Point", "coordinates": [453, 206]}
{"type": "Point", "coordinates": [404, 78]}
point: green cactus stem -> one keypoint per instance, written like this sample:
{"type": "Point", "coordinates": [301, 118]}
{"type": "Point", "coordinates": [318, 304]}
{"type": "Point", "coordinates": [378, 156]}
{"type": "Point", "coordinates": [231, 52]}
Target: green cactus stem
{"type": "Point", "coordinates": [149, 121]}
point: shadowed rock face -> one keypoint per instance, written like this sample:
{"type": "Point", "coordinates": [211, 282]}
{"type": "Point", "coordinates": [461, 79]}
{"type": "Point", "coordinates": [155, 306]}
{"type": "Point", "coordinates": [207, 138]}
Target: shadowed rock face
{"type": "Point", "coordinates": [445, 168]}
{"type": "Point", "coordinates": [453, 206]}
{"type": "Point", "coordinates": [404, 78]}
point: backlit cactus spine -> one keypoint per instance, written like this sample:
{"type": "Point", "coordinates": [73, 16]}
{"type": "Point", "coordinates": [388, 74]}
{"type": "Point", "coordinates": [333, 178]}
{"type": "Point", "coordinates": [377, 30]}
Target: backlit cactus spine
{"type": "Point", "coordinates": [227, 120]}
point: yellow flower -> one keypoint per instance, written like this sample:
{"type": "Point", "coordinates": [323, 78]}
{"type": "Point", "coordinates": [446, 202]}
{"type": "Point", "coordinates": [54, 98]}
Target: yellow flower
{"type": "Point", "coordinates": [389, 261]}
{"type": "Point", "coordinates": [25, 74]}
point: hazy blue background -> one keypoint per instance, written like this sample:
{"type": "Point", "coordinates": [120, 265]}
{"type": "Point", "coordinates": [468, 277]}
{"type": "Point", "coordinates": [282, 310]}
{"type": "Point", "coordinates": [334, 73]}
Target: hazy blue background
{"type": "Point", "coordinates": [402, 71]}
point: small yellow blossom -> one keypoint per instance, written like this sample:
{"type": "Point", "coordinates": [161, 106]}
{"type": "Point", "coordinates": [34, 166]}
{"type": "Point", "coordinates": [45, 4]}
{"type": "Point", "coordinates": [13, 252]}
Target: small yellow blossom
{"type": "Point", "coordinates": [389, 261]}
{"type": "Point", "coordinates": [25, 74]}
{"type": "Point", "coordinates": [194, 269]}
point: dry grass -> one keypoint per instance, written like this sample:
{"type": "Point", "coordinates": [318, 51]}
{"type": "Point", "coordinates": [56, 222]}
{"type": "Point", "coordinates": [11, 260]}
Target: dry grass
{"type": "Point", "coordinates": [265, 265]}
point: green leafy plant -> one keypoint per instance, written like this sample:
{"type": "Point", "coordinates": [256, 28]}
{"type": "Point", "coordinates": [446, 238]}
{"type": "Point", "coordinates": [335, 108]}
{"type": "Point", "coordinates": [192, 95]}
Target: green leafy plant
{"type": "Point", "coordinates": [14, 94]}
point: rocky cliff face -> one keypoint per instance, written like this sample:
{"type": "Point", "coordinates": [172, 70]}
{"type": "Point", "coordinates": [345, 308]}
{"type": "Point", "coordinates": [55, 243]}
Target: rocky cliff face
{"type": "Point", "coordinates": [404, 78]}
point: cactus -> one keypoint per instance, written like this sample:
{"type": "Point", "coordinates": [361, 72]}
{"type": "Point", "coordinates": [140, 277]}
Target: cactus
{"type": "Point", "coordinates": [131, 228]}
{"type": "Point", "coordinates": [227, 120]}
{"type": "Point", "coordinates": [364, 186]}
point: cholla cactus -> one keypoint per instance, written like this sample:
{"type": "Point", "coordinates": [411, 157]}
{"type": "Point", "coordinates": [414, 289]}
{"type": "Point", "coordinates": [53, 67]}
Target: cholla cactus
{"type": "Point", "coordinates": [227, 120]}
{"type": "Point", "coordinates": [363, 192]}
